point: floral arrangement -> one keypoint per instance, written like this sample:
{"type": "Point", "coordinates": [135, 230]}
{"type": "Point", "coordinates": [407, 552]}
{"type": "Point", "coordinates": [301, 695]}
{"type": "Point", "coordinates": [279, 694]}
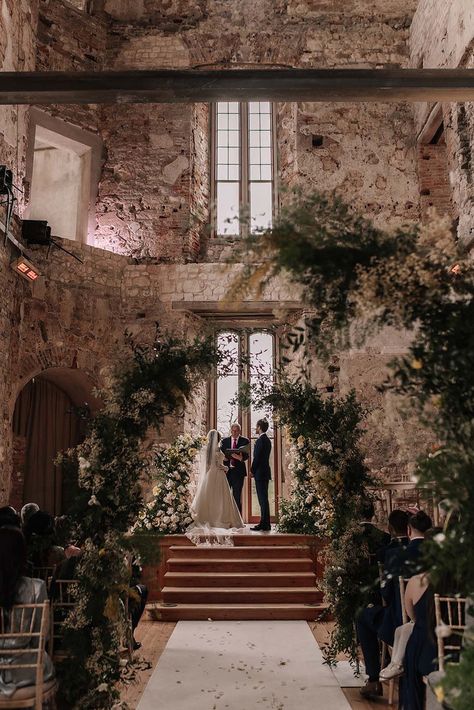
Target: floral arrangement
{"type": "Point", "coordinates": [168, 511]}
{"type": "Point", "coordinates": [330, 482]}
{"type": "Point", "coordinates": [304, 512]}
{"type": "Point", "coordinates": [108, 467]}
{"type": "Point", "coordinates": [358, 278]}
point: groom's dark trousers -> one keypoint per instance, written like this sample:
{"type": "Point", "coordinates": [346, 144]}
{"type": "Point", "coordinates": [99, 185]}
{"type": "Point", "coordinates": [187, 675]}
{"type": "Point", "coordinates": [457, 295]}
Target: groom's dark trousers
{"type": "Point", "coordinates": [262, 474]}
{"type": "Point", "coordinates": [237, 470]}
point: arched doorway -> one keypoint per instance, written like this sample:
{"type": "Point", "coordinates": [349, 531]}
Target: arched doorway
{"type": "Point", "coordinates": [47, 420]}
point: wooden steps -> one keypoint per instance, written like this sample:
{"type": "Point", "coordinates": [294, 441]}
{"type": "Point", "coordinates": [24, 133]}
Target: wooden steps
{"type": "Point", "coordinates": [259, 595]}
{"type": "Point", "coordinates": [227, 612]}
{"type": "Point", "coordinates": [259, 577]}
{"type": "Point", "coordinates": [240, 552]}
{"type": "Point", "coordinates": [189, 564]}
{"type": "Point", "coordinates": [239, 579]}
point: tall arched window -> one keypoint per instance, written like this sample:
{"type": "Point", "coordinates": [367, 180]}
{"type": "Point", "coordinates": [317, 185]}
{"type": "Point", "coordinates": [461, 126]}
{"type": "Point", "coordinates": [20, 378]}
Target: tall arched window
{"type": "Point", "coordinates": [249, 362]}
{"type": "Point", "coordinates": [243, 166]}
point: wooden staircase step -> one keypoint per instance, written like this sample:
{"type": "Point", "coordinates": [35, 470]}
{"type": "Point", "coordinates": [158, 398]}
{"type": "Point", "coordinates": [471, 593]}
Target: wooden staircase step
{"type": "Point", "coordinates": [251, 595]}
{"type": "Point", "coordinates": [196, 564]}
{"type": "Point", "coordinates": [254, 552]}
{"type": "Point", "coordinates": [240, 579]}
{"type": "Point", "coordinates": [183, 612]}
{"type": "Point", "coordinates": [256, 538]}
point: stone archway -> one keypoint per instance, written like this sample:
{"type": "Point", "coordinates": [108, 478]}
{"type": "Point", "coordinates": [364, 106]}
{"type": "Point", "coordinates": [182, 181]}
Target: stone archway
{"type": "Point", "coordinates": [46, 420]}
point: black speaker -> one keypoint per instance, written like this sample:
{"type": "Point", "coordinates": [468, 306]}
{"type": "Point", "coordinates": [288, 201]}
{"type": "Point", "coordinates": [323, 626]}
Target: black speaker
{"type": "Point", "coordinates": [36, 231]}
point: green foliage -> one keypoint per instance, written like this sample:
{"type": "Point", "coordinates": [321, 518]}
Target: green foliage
{"type": "Point", "coordinates": [357, 278]}
{"type": "Point", "coordinates": [110, 465]}
{"type": "Point", "coordinates": [330, 482]}
{"type": "Point", "coordinates": [168, 511]}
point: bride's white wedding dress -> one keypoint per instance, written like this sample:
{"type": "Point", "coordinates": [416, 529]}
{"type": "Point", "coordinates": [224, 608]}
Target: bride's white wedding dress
{"type": "Point", "coordinates": [214, 510]}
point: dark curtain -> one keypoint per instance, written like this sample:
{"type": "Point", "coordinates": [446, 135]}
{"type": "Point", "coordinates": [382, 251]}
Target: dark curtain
{"type": "Point", "coordinates": [45, 416]}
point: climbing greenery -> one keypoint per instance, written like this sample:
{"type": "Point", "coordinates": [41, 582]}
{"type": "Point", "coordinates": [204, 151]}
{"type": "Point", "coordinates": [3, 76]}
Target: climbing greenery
{"type": "Point", "coordinates": [356, 279]}
{"type": "Point", "coordinates": [110, 465]}
{"type": "Point", "coordinates": [328, 495]}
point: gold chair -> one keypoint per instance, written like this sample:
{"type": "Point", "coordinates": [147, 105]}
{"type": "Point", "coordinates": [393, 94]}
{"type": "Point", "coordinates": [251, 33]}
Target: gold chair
{"type": "Point", "coordinates": [22, 625]}
{"type": "Point", "coordinates": [61, 604]}
{"type": "Point", "coordinates": [44, 573]}
{"type": "Point", "coordinates": [385, 647]}
{"type": "Point", "coordinates": [450, 612]}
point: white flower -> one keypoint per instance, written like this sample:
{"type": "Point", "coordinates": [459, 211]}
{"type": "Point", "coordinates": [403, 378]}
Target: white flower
{"type": "Point", "coordinates": [300, 466]}
{"type": "Point", "coordinates": [166, 519]}
{"type": "Point", "coordinates": [93, 501]}
{"type": "Point", "coordinates": [300, 442]}
{"type": "Point", "coordinates": [339, 581]}
{"type": "Point", "coordinates": [309, 498]}
{"type": "Point", "coordinates": [84, 464]}
{"type": "Point", "coordinates": [325, 446]}
{"type": "Point", "coordinates": [439, 538]}
{"type": "Point", "coordinates": [102, 688]}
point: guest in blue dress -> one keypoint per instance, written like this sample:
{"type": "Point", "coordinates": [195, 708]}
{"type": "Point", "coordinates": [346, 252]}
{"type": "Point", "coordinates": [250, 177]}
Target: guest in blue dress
{"type": "Point", "coordinates": [420, 654]}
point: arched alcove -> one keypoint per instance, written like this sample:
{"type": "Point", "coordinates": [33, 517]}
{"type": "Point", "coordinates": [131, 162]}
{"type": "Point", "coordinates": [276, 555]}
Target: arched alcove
{"type": "Point", "coordinates": [47, 419]}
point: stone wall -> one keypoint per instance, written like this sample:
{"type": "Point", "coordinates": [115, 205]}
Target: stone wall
{"type": "Point", "coordinates": [442, 35]}
{"type": "Point", "coordinates": [154, 203]}
{"type": "Point", "coordinates": [18, 23]}
{"type": "Point", "coordinates": [148, 206]}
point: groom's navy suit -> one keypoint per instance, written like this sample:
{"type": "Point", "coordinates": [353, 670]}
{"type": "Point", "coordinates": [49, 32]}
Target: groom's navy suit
{"type": "Point", "coordinates": [262, 474]}
{"type": "Point", "coordinates": [237, 470]}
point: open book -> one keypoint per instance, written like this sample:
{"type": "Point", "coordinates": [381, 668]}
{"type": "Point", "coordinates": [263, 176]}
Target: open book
{"type": "Point", "coordinates": [245, 449]}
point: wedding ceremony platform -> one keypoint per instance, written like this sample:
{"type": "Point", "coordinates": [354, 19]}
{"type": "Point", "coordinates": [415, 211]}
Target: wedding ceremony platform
{"type": "Point", "coordinates": [259, 576]}
{"type": "Point", "coordinates": [231, 665]}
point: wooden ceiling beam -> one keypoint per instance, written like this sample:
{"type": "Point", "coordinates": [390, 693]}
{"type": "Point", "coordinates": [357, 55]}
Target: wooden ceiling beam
{"type": "Point", "coordinates": [193, 85]}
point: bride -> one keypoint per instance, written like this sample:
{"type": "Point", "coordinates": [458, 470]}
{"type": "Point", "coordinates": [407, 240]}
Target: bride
{"type": "Point", "coordinates": [214, 509]}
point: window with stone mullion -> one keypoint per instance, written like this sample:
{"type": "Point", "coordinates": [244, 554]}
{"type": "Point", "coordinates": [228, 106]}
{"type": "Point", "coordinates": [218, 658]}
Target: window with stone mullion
{"type": "Point", "coordinates": [243, 167]}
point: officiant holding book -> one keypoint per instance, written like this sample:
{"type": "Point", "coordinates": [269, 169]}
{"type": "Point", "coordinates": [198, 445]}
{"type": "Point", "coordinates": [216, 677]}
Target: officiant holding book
{"type": "Point", "coordinates": [235, 462]}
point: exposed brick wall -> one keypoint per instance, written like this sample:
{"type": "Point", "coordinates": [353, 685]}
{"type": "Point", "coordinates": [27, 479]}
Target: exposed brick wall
{"type": "Point", "coordinates": [435, 190]}
{"type": "Point", "coordinates": [442, 35]}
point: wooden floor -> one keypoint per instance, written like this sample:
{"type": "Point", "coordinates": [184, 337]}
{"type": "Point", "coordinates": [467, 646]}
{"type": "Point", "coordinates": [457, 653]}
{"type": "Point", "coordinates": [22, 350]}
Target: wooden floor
{"type": "Point", "coordinates": [154, 636]}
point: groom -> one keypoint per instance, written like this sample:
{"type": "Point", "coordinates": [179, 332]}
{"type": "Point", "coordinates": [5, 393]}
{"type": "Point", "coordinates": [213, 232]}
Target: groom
{"type": "Point", "coordinates": [261, 472]}
{"type": "Point", "coordinates": [237, 470]}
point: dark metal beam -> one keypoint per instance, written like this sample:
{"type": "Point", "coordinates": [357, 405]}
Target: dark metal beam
{"type": "Point", "coordinates": [192, 85]}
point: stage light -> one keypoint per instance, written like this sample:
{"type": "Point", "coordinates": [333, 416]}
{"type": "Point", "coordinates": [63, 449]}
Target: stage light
{"type": "Point", "coordinates": [25, 268]}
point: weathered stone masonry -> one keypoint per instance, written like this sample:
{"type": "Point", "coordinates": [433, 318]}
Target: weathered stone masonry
{"type": "Point", "coordinates": [153, 247]}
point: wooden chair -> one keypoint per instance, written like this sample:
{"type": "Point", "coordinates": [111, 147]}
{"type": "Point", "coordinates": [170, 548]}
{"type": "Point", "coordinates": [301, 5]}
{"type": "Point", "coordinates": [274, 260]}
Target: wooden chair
{"type": "Point", "coordinates": [451, 612]}
{"type": "Point", "coordinates": [22, 625]}
{"type": "Point", "coordinates": [385, 647]}
{"type": "Point", "coordinates": [61, 604]}
{"type": "Point", "coordinates": [44, 573]}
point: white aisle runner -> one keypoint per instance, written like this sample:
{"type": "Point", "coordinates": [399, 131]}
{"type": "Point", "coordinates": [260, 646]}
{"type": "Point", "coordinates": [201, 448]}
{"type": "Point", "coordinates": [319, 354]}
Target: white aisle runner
{"type": "Point", "coordinates": [242, 665]}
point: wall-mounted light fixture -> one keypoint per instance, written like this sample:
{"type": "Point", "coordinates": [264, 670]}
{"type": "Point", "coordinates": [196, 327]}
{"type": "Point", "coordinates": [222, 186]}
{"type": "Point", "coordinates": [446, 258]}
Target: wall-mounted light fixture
{"type": "Point", "coordinates": [25, 268]}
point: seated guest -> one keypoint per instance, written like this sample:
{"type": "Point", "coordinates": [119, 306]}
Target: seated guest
{"type": "Point", "coordinates": [375, 616]}
{"type": "Point", "coordinates": [9, 516]}
{"type": "Point", "coordinates": [420, 650]}
{"type": "Point", "coordinates": [376, 538]}
{"type": "Point", "coordinates": [15, 588]}
{"type": "Point", "coordinates": [26, 512]}
{"type": "Point", "coordinates": [41, 541]}
{"type": "Point", "coordinates": [418, 526]}
{"type": "Point", "coordinates": [391, 560]}
{"type": "Point", "coordinates": [137, 599]}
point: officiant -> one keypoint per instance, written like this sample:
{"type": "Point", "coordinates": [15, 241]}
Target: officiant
{"type": "Point", "coordinates": [236, 466]}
